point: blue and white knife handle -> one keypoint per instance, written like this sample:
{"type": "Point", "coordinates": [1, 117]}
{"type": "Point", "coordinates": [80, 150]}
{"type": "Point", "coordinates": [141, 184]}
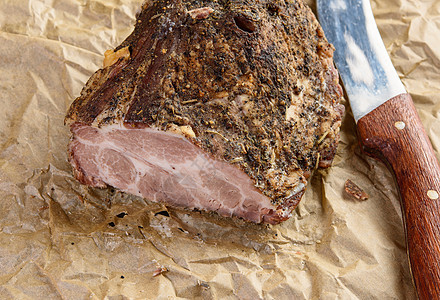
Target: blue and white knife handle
{"type": "Point", "coordinates": [394, 134]}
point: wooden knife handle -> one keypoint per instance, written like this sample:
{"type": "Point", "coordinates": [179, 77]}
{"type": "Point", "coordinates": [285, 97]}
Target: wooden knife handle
{"type": "Point", "coordinates": [394, 134]}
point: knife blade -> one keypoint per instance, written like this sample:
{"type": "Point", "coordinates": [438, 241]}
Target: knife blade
{"type": "Point", "coordinates": [389, 129]}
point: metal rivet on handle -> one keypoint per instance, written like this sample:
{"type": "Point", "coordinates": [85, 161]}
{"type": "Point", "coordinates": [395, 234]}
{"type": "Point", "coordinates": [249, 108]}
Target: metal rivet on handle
{"type": "Point", "coordinates": [433, 195]}
{"type": "Point", "coordinates": [400, 125]}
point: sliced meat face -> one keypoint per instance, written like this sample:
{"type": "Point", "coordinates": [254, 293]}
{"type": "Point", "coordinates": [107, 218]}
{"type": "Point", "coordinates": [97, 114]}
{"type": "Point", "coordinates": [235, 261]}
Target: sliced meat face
{"type": "Point", "coordinates": [167, 168]}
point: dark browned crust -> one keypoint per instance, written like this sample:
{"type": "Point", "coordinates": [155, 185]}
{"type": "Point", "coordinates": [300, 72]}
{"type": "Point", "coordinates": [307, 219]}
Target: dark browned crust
{"type": "Point", "coordinates": [185, 71]}
{"type": "Point", "coordinates": [289, 204]}
{"type": "Point", "coordinates": [353, 190]}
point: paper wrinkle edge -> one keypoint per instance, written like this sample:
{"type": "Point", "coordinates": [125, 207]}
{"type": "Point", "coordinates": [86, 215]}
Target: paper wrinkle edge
{"type": "Point", "coordinates": [61, 240]}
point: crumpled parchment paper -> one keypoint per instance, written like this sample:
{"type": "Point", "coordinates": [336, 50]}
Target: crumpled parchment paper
{"type": "Point", "coordinates": [61, 240]}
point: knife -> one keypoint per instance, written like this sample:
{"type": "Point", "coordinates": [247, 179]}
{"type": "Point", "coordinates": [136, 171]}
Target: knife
{"type": "Point", "coordinates": [389, 129]}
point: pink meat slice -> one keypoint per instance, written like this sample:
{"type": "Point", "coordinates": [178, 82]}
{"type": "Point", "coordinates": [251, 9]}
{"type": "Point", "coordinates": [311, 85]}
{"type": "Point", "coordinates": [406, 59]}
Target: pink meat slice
{"type": "Point", "coordinates": [167, 168]}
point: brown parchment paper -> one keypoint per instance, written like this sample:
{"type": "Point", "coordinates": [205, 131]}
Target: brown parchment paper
{"type": "Point", "coordinates": [61, 240]}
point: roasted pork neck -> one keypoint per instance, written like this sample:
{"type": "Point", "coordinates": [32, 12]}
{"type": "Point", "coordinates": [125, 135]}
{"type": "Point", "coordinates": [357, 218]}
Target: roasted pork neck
{"type": "Point", "coordinates": [224, 106]}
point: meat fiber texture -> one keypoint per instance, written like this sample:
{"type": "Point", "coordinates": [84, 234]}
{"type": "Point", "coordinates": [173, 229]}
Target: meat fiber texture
{"type": "Point", "coordinates": [224, 106]}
